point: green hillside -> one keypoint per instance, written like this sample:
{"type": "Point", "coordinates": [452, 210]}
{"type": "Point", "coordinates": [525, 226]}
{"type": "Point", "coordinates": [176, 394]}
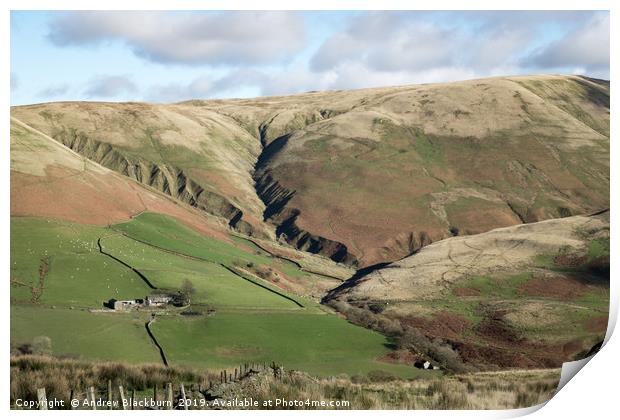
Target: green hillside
{"type": "Point", "coordinates": [59, 276]}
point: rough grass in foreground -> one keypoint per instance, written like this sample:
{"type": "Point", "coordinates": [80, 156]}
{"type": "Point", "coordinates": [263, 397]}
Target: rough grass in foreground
{"type": "Point", "coordinates": [493, 390]}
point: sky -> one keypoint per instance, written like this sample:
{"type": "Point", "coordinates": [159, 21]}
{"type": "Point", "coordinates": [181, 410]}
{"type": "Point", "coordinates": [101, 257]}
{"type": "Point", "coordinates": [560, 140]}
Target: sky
{"type": "Point", "coordinates": [171, 56]}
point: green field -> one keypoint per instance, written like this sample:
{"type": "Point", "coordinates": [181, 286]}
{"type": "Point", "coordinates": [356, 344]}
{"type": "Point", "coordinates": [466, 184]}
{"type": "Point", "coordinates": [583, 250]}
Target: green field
{"type": "Point", "coordinates": [78, 275]}
{"type": "Point", "coordinates": [214, 285]}
{"type": "Point", "coordinates": [318, 343]}
{"type": "Point", "coordinates": [252, 320]}
{"type": "Point", "coordinates": [165, 232]}
{"type": "Point", "coordinates": [83, 334]}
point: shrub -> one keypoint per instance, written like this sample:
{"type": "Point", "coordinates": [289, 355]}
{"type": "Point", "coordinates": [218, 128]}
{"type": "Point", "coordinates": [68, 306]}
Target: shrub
{"type": "Point", "coordinates": [359, 379]}
{"type": "Point", "coordinates": [377, 307]}
{"type": "Point", "coordinates": [406, 337]}
{"type": "Point", "coordinates": [42, 345]}
{"type": "Point", "coordinates": [380, 376]}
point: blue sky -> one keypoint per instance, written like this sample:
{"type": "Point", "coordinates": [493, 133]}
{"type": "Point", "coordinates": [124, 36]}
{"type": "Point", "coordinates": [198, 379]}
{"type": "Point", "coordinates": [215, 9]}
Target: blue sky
{"type": "Point", "coordinates": [172, 56]}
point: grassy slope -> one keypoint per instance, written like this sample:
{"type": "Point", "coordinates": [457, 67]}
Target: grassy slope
{"type": "Point", "coordinates": [165, 232]}
{"type": "Point", "coordinates": [78, 276]}
{"type": "Point", "coordinates": [250, 322]}
{"type": "Point", "coordinates": [568, 317]}
{"type": "Point", "coordinates": [82, 334]}
{"type": "Point", "coordinates": [214, 285]}
{"type": "Point", "coordinates": [557, 147]}
{"type": "Point", "coordinates": [318, 343]}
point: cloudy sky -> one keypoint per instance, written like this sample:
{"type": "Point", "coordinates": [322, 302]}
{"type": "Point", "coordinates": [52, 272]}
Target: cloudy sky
{"type": "Point", "coordinates": [171, 56]}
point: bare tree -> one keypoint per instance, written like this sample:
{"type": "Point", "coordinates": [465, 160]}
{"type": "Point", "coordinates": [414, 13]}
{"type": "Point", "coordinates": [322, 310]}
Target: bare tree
{"type": "Point", "coordinates": [187, 290]}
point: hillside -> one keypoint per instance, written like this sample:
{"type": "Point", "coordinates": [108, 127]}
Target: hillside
{"type": "Point", "coordinates": [200, 158]}
{"type": "Point", "coordinates": [366, 176]}
{"type": "Point", "coordinates": [82, 234]}
{"type": "Point", "coordinates": [50, 180]}
{"type": "Point", "coordinates": [449, 220]}
{"type": "Point", "coordinates": [531, 295]}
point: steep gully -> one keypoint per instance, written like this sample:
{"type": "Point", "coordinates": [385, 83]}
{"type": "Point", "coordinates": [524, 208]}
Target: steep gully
{"type": "Point", "coordinates": [175, 182]}
{"type": "Point", "coordinates": [291, 261]}
{"type": "Point", "coordinates": [276, 198]}
{"type": "Point", "coordinates": [166, 178]}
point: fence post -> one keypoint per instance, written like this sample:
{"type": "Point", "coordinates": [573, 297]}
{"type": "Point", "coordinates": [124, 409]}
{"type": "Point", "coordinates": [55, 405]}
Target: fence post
{"type": "Point", "coordinates": [71, 394]}
{"type": "Point", "coordinates": [91, 391]}
{"type": "Point", "coordinates": [122, 394]}
{"type": "Point", "coordinates": [169, 395]}
{"type": "Point", "coordinates": [42, 399]}
{"type": "Point", "coordinates": [185, 407]}
{"type": "Point", "coordinates": [155, 392]}
{"type": "Point", "coordinates": [235, 374]}
{"type": "Point", "coordinates": [133, 397]}
{"type": "Point", "coordinates": [109, 394]}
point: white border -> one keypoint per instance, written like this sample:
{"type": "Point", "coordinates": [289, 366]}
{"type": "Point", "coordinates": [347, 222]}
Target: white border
{"type": "Point", "coordinates": [593, 394]}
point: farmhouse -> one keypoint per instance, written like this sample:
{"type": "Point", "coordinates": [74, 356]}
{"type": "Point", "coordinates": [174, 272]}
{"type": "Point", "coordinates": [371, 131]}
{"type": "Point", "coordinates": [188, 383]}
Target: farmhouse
{"type": "Point", "coordinates": [160, 299]}
{"type": "Point", "coordinates": [150, 301]}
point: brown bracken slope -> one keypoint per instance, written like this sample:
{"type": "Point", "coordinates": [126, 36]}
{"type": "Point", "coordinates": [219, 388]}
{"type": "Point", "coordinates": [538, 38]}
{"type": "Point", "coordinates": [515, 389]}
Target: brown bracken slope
{"type": "Point", "coordinates": [49, 180]}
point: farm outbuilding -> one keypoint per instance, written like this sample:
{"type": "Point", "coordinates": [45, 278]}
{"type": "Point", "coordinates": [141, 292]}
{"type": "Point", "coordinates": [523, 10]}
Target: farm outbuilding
{"type": "Point", "coordinates": [425, 364]}
{"type": "Point", "coordinates": [124, 305]}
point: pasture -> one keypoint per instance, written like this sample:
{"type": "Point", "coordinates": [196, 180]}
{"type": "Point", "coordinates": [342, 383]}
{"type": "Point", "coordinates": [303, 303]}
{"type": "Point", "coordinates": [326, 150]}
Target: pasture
{"type": "Point", "coordinates": [319, 344]}
{"type": "Point", "coordinates": [58, 272]}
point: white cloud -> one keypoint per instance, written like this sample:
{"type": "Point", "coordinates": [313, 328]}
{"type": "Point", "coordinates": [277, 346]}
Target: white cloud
{"type": "Point", "coordinates": [413, 42]}
{"type": "Point", "coordinates": [213, 38]}
{"type": "Point", "coordinates": [388, 41]}
{"type": "Point", "coordinates": [373, 49]}
{"type": "Point", "coordinates": [54, 91]}
{"type": "Point", "coordinates": [109, 86]}
{"type": "Point", "coordinates": [199, 88]}
{"type": "Point", "coordinates": [587, 47]}
{"type": "Point", "coordinates": [240, 82]}
{"type": "Point", "coordinates": [387, 48]}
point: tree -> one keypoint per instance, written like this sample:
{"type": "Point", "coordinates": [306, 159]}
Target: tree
{"type": "Point", "coordinates": [187, 290]}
